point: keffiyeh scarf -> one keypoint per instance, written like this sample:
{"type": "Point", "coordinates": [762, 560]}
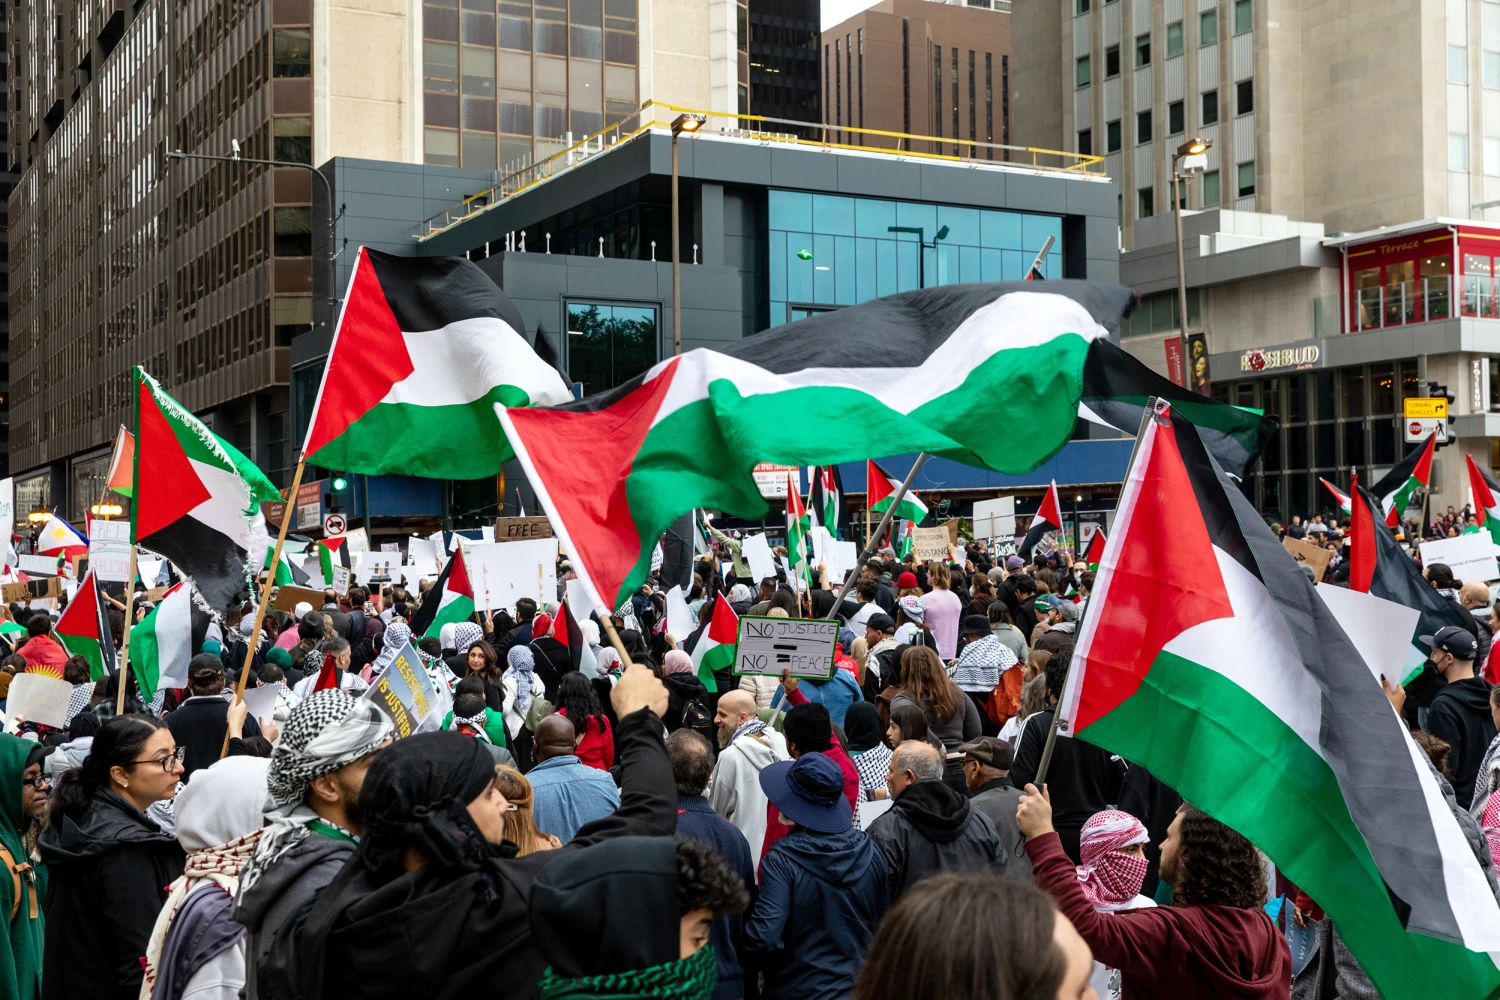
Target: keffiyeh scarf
{"type": "Point", "coordinates": [691, 978]}
{"type": "Point", "coordinates": [521, 670]}
{"type": "Point", "coordinates": [397, 635]}
{"type": "Point", "coordinates": [1108, 878]}
{"type": "Point", "coordinates": [981, 663]}
{"type": "Point", "coordinates": [465, 634]}
{"type": "Point", "coordinates": [220, 865]}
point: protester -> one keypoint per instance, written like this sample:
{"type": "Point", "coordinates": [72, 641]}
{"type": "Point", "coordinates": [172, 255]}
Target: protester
{"type": "Point", "coordinates": [808, 729]}
{"type": "Point", "coordinates": [747, 745]}
{"type": "Point", "coordinates": [975, 937]}
{"type": "Point", "coordinates": [553, 661]}
{"type": "Point", "coordinates": [1113, 870]}
{"type": "Point", "coordinates": [578, 703]}
{"type": "Point", "coordinates": [979, 667]}
{"type": "Point", "coordinates": [1487, 781]}
{"type": "Point", "coordinates": [987, 763]}
{"type": "Point", "coordinates": [196, 949]}
{"type": "Point", "coordinates": [823, 887]}
{"type": "Point", "coordinates": [688, 695]}
{"type": "Point", "coordinates": [1214, 940]}
{"type": "Point", "coordinates": [108, 863]}
{"type": "Point", "coordinates": [328, 667]}
{"type": "Point", "coordinates": [469, 717]}
{"type": "Point", "coordinates": [43, 653]}
{"type": "Point", "coordinates": [200, 722]}
{"type": "Point", "coordinates": [942, 609]}
{"type": "Point", "coordinates": [867, 749]}
{"type": "Point", "coordinates": [491, 722]}
{"type": "Point", "coordinates": [568, 794]}
{"type": "Point", "coordinates": [1460, 713]}
{"type": "Point", "coordinates": [835, 693]}
{"type": "Point", "coordinates": [1001, 627]}
{"type": "Point", "coordinates": [76, 673]}
{"type": "Point", "coordinates": [1062, 626]}
{"type": "Point", "coordinates": [1475, 598]}
{"type": "Point", "coordinates": [520, 822]}
{"type": "Point", "coordinates": [630, 918]}
{"type": "Point", "coordinates": [692, 763]}
{"type": "Point", "coordinates": [520, 688]}
{"type": "Point", "coordinates": [23, 883]}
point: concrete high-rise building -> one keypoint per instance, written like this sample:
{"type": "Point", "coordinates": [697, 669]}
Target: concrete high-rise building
{"type": "Point", "coordinates": [783, 53]}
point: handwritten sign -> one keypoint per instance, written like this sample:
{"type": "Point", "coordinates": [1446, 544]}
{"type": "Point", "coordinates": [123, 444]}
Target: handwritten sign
{"type": "Point", "coordinates": [31, 590]}
{"type": "Point", "coordinates": [109, 550]}
{"type": "Point", "coordinates": [503, 573]}
{"type": "Point", "coordinates": [39, 698]}
{"type": "Point", "coordinates": [931, 543]}
{"type": "Point", "coordinates": [340, 580]}
{"type": "Point", "coordinates": [521, 529]}
{"type": "Point", "coordinates": [1308, 554]}
{"type": "Point", "coordinates": [768, 646]}
{"type": "Point", "coordinates": [289, 596]}
{"type": "Point", "coordinates": [1470, 557]}
{"type": "Point", "coordinates": [404, 692]}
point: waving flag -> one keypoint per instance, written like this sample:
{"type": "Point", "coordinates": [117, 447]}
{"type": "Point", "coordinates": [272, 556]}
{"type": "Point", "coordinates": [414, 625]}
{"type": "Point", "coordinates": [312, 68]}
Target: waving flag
{"type": "Point", "coordinates": [451, 599]}
{"type": "Point", "coordinates": [1048, 518]}
{"type": "Point", "coordinates": [797, 527]}
{"type": "Point", "coordinates": [84, 629]}
{"type": "Point", "coordinates": [881, 490]}
{"type": "Point", "coordinates": [1207, 658]}
{"type": "Point", "coordinates": [161, 644]}
{"type": "Point", "coordinates": [1339, 495]}
{"type": "Point", "coordinates": [1486, 499]}
{"type": "Point", "coordinates": [57, 537]}
{"type": "Point", "coordinates": [1412, 473]}
{"type": "Point", "coordinates": [1095, 551]}
{"type": "Point", "coordinates": [714, 651]}
{"type": "Point", "coordinates": [121, 476]}
{"type": "Point", "coordinates": [824, 497]}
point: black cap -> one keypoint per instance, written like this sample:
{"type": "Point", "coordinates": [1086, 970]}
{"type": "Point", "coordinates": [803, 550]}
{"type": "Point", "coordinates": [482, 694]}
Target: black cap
{"type": "Point", "coordinates": [976, 625]}
{"type": "Point", "coordinates": [881, 622]}
{"type": "Point", "coordinates": [1452, 639]}
{"type": "Point", "coordinates": [205, 665]}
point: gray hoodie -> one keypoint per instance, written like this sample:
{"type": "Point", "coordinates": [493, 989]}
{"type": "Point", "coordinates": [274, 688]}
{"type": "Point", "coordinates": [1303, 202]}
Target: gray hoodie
{"type": "Point", "coordinates": [734, 790]}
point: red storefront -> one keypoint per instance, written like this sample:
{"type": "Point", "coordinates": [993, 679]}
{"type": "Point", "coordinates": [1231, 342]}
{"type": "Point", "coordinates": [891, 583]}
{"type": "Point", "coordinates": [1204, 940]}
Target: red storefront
{"type": "Point", "coordinates": [1406, 274]}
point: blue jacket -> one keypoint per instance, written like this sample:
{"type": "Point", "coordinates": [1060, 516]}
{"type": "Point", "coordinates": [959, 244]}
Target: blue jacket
{"type": "Point", "coordinates": [835, 694]}
{"type": "Point", "coordinates": [696, 819]}
{"type": "Point", "coordinates": [566, 794]}
{"type": "Point", "coordinates": [821, 897]}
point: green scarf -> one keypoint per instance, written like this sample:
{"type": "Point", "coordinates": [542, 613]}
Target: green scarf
{"type": "Point", "coordinates": [691, 978]}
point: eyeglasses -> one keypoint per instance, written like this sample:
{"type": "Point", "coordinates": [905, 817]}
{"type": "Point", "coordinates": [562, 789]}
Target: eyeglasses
{"type": "Point", "coordinates": [39, 782]}
{"type": "Point", "coordinates": [166, 761]}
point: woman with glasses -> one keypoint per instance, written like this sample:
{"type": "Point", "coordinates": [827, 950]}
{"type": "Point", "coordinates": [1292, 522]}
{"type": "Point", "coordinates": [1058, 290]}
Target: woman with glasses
{"type": "Point", "coordinates": [108, 863]}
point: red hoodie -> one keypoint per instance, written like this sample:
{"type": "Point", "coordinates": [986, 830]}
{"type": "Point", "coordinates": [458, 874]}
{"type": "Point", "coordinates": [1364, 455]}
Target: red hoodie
{"type": "Point", "coordinates": [1171, 951]}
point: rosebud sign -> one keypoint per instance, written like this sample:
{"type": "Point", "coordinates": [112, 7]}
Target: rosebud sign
{"type": "Point", "coordinates": [1259, 360]}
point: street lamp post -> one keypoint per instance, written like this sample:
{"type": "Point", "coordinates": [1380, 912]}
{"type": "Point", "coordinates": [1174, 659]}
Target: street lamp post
{"type": "Point", "coordinates": [922, 247]}
{"type": "Point", "coordinates": [1190, 158]}
{"type": "Point", "coordinates": [686, 122]}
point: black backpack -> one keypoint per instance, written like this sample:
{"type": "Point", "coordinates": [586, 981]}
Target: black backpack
{"type": "Point", "coordinates": [697, 717]}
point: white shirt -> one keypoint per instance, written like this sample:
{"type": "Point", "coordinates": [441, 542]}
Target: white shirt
{"type": "Point", "coordinates": [865, 612]}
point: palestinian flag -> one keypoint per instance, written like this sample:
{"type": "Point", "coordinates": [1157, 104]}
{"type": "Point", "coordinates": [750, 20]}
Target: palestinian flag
{"type": "Point", "coordinates": [1048, 517]}
{"type": "Point", "coordinates": [952, 371]}
{"type": "Point", "coordinates": [122, 464]}
{"type": "Point", "coordinates": [1116, 388]}
{"type": "Point", "coordinates": [84, 629]}
{"type": "Point", "coordinates": [880, 493]}
{"type": "Point", "coordinates": [424, 350]}
{"type": "Point", "coordinates": [903, 540]}
{"type": "Point", "coordinates": [1208, 659]}
{"type": "Point", "coordinates": [797, 527]}
{"type": "Point", "coordinates": [333, 553]}
{"type": "Point", "coordinates": [197, 499]}
{"type": "Point", "coordinates": [716, 644]}
{"type": "Point", "coordinates": [161, 644]}
{"type": "Point", "coordinates": [1339, 495]}
{"type": "Point", "coordinates": [451, 600]}
{"type": "Point", "coordinates": [1413, 472]}
{"type": "Point", "coordinates": [287, 572]}
{"type": "Point", "coordinates": [825, 496]}
{"type": "Point", "coordinates": [1486, 498]}
{"type": "Point", "coordinates": [1379, 565]}
{"type": "Point", "coordinates": [1095, 552]}
{"type": "Point", "coordinates": [566, 631]}
{"type": "Point", "coordinates": [58, 537]}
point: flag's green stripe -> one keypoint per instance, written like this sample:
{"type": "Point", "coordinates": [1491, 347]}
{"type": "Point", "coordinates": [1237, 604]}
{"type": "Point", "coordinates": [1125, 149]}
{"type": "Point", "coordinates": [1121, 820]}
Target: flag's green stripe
{"type": "Point", "coordinates": [1493, 524]}
{"type": "Point", "coordinates": [1401, 499]}
{"type": "Point", "coordinates": [88, 648]}
{"type": "Point", "coordinates": [1228, 754]}
{"type": "Point", "coordinates": [145, 654]}
{"type": "Point", "coordinates": [721, 657]}
{"type": "Point", "coordinates": [906, 509]}
{"type": "Point", "coordinates": [459, 440]}
{"type": "Point", "coordinates": [1234, 422]}
{"type": "Point", "coordinates": [451, 611]}
{"type": "Point", "coordinates": [701, 454]}
{"type": "Point", "coordinates": [10, 627]}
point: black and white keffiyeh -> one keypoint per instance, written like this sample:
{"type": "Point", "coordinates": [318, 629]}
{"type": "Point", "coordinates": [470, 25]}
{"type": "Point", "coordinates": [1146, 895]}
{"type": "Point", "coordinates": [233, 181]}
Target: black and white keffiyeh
{"type": "Point", "coordinates": [465, 634]}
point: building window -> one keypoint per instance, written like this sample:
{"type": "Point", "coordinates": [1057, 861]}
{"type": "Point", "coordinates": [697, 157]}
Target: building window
{"type": "Point", "coordinates": [1458, 64]}
{"type": "Point", "coordinates": [1492, 157]}
{"type": "Point", "coordinates": [957, 149]}
{"type": "Point", "coordinates": [1082, 7]}
{"type": "Point", "coordinates": [1242, 14]}
{"type": "Point", "coordinates": [1086, 142]}
{"type": "Point", "coordinates": [1176, 124]}
{"type": "Point", "coordinates": [1210, 189]}
{"type": "Point", "coordinates": [989, 106]}
{"type": "Point", "coordinates": [973, 107]}
{"type": "Point", "coordinates": [441, 147]}
{"type": "Point", "coordinates": [609, 344]}
{"type": "Point", "coordinates": [1244, 97]}
{"type": "Point", "coordinates": [1082, 75]}
{"type": "Point", "coordinates": [1210, 113]}
{"type": "Point", "coordinates": [1112, 136]}
{"type": "Point", "coordinates": [1142, 127]}
{"type": "Point", "coordinates": [1145, 203]}
{"type": "Point", "coordinates": [293, 231]}
{"type": "Point", "coordinates": [478, 72]}
{"type": "Point", "coordinates": [1490, 70]}
{"type": "Point", "coordinates": [1458, 151]}
{"type": "Point", "coordinates": [1208, 28]}
{"type": "Point", "coordinates": [937, 93]}
{"type": "Point", "coordinates": [292, 139]}
{"type": "Point", "coordinates": [291, 52]}
{"type": "Point", "coordinates": [440, 66]}
{"type": "Point", "coordinates": [1246, 179]}
{"type": "Point", "coordinates": [1174, 39]}
{"type": "Point", "coordinates": [1111, 62]}
{"type": "Point", "coordinates": [1142, 50]}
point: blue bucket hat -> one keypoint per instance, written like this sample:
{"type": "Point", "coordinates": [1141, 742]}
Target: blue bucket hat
{"type": "Point", "coordinates": [809, 791]}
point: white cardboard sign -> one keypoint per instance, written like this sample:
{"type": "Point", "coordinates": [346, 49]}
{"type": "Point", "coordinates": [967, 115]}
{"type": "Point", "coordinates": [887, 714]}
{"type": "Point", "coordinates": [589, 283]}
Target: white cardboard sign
{"type": "Point", "coordinates": [757, 552]}
{"type": "Point", "coordinates": [109, 551]}
{"type": "Point", "coordinates": [39, 698]}
{"type": "Point", "coordinates": [1470, 557]}
{"type": "Point", "coordinates": [502, 573]}
{"type": "Point", "coordinates": [1381, 630]}
{"type": "Point", "coordinates": [768, 646]}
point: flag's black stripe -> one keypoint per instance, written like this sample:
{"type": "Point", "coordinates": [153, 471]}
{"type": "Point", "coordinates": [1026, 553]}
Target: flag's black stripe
{"type": "Point", "coordinates": [1224, 529]}
{"type": "Point", "coordinates": [429, 293]}
{"type": "Point", "coordinates": [215, 563]}
{"type": "Point", "coordinates": [1397, 577]}
{"type": "Point", "coordinates": [1039, 528]}
{"type": "Point", "coordinates": [1397, 477]}
{"type": "Point", "coordinates": [106, 636]}
{"type": "Point", "coordinates": [422, 620]}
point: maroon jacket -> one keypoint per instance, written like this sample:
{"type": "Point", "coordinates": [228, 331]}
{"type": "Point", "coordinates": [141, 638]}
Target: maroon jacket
{"type": "Point", "coordinates": [1171, 951]}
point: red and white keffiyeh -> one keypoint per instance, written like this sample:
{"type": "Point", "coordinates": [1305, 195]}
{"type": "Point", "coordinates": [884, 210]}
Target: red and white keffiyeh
{"type": "Point", "coordinates": [1110, 879]}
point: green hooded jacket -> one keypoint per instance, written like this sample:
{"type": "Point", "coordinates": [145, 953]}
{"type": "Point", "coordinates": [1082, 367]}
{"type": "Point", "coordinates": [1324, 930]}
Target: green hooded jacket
{"type": "Point", "coordinates": [21, 954]}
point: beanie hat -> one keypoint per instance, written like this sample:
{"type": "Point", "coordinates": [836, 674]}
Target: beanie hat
{"type": "Point", "coordinates": [809, 727]}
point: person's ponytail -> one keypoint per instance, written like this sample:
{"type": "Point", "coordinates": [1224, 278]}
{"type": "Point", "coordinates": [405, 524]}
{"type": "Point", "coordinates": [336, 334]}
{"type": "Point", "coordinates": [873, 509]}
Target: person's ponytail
{"type": "Point", "coordinates": [118, 742]}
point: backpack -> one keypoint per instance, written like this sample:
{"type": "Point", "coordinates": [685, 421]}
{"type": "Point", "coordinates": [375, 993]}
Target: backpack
{"type": "Point", "coordinates": [1005, 700]}
{"type": "Point", "coordinates": [22, 877]}
{"type": "Point", "coordinates": [697, 717]}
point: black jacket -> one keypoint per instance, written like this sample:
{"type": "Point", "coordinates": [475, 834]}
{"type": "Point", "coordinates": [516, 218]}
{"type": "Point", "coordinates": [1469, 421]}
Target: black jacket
{"type": "Point", "coordinates": [998, 799]}
{"type": "Point", "coordinates": [1082, 778]}
{"type": "Point", "coordinates": [930, 828]}
{"type": "Point", "coordinates": [552, 661]}
{"type": "Point", "coordinates": [199, 725]}
{"type": "Point", "coordinates": [108, 874]}
{"type": "Point", "coordinates": [681, 689]}
{"type": "Point", "coordinates": [1460, 716]}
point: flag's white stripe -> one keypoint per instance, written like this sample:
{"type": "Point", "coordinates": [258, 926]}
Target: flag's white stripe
{"type": "Point", "coordinates": [174, 638]}
{"type": "Point", "coordinates": [224, 511]}
{"type": "Point", "coordinates": [1015, 320]}
{"type": "Point", "coordinates": [463, 361]}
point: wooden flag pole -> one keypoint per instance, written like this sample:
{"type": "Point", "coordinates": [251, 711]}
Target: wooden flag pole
{"type": "Point", "coordinates": [124, 667]}
{"type": "Point", "coordinates": [885, 521]}
{"type": "Point", "coordinates": [253, 641]}
{"type": "Point", "coordinates": [614, 637]}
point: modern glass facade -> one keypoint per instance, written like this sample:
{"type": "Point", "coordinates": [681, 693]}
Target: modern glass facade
{"type": "Point", "coordinates": [609, 344]}
{"type": "Point", "coordinates": [827, 251]}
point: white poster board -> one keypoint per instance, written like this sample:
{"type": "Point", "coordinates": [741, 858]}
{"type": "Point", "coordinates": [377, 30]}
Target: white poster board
{"type": "Point", "coordinates": [995, 518]}
{"type": "Point", "coordinates": [109, 551]}
{"type": "Point", "coordinates": [262, 702]}
{"type": "Point", "coordinates": [1470, 557]}
{"type": "Point", "coordinates": [757, 552]}
{"type": "Point", "coordinates": [40, 565]}
{"type": "Point", "coordinates": [422, 556]}
{"type": "Point", "coordinates": [340, 580]}
{"type": "Point", "coordinates": [502, 573]}
{"type": "Point", "coordinates": [1381, 630]}
{"type": "Point", "coordinates": [356, 541]}
{"type": "Point", "coordinates": [39, 698]}
{"type": "Point", "coordinates": [7, 519]}
{"type": "Point", "coordinates": [768, 646]}
{"type": "Point", "coordinates": [391, 547]}
{"type": "Point", "coordinates": [679, 616]}
{"type": "Point", "coordinates": [149, 570]}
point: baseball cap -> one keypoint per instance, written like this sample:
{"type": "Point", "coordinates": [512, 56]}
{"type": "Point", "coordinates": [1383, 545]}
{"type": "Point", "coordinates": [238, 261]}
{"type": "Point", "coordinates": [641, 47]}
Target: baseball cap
{"type": "Point", "coordinates": [1014, 562]}
{"type": "Point", "coordinates": [809, 791]}
{"type": "Point", "coordinates": [1452, 639]}
{"type": "Point", "coordinates": [990, 752]}
{"type": "Point", "coordinates": [881, 622]}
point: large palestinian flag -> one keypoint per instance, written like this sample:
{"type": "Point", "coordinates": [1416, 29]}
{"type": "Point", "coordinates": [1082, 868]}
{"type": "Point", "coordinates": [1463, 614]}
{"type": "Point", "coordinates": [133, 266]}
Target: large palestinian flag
{"type": "Point", "coordinates": [1412, 473]}
{"type": "Point", "coordinates": [880, 492]}
{"type": "Point", "coordinates": [716, 644]}
{"type": "Point", "coordinates": [197, 499]}
{"type": "Point", "coordinates": [424, 350]}
{"type": "Point", "coordinates": [1379, 565]}
{"type": "Point", "coordinates": [1048, 518]}
{"type": "Point", "coordinates": [958, 371]}
{"type": "Point", "coordinates": [84, 629]}
{"type": "Point", "coordinates": [451, 599]}
{"type": "Point", "coordinates": [1486, 494]}
{"type": "Point", "coordinates": [1207, 658]}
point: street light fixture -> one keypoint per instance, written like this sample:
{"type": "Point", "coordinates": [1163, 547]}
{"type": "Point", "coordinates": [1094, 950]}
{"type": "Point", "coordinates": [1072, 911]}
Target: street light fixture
{"type": "Point", "coordinates": [923, 245]}
{"type": "Point", "coordinates": [690, 123]}
{"type": "Point", "coordinates": [106, 510]}
{"type": "Point", "coordinates": [39, 516]}
{"type": "Point", "coordinates": [1192, 156]}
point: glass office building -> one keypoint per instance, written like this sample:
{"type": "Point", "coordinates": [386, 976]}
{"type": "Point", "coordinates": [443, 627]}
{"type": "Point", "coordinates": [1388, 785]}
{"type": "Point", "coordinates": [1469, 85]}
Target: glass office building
{"type": "Point", "coordinates": [827, 251]}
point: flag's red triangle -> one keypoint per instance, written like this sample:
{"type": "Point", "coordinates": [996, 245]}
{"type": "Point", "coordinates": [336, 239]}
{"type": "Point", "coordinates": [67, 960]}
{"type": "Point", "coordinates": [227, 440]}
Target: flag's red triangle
{"type": "Point", "coordinates": [168, 488]}
{"type": "Point", "coordinates": [877, 484]}
{"type": "Point", "coordinates": [724, 627]}
{"type": "Point", "coordinates": [458, 577]}
{"type": "Point", "coordinates": [1050, 510]}
{"type": "Point", "coordinates": [1362, 550]}
{"type": "Point", "coordinates": [794, 508]}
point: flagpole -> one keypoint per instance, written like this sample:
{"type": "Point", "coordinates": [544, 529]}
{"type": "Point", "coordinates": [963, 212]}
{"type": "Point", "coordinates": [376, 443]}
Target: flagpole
{"type": "Point", "coordinates": [614, 637]}
{"type": "Point", "coordinates": [885, 520]}
{"type": "Point", "coordinates": [265, 595]}
{"type": "Point", "coordinates": [125, 639]}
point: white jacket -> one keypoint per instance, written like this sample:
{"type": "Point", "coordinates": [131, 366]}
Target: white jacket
{"type": "Point", "coordinates": [763, 689]}
{"type": "Point", "coordinates": [734, 790]}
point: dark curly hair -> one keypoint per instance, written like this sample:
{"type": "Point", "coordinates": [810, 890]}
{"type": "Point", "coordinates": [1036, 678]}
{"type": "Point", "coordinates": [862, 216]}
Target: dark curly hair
{"type": "Point", "coordinates": [1436, 750]}
{"type": "Point", "coordinates": [1216, 866]}
{"type": "Point", "coordinates": [705, 882]}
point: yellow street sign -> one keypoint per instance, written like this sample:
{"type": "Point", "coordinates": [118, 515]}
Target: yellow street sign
{"type": "Point", "coordinates": [1425, 408]}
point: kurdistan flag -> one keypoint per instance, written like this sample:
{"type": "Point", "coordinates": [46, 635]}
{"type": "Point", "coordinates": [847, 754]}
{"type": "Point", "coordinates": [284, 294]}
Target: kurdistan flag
{"type": "Point", "coordinates": [161, 644]}
{"type": "Point", "coordinates": [881, 489]}
{"type": "Point", "coordinates": [952, 371]}
{"type": "Point", "coordinates": [197, 498]}
{"type": "Point", "coordinates": [1230, 680]}
{"type": "Point", "coordinates": [717, 643]}
{"type": "Point", "coordinates": [1412, 473]}
{"type": "Point", "coordinates": [424, 350]}
{"type": "Point", "coordinates": [1486, 494]}
{"type": "Point", "coordinates": [450, 601]}
{"type": "Point", "coordinates": [84, 629]}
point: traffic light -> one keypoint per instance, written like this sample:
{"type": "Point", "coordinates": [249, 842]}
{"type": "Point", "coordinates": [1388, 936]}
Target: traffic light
{"type": "Point", "coordinates": [340, 484]}
{"type": "Point", "coordinates": [333, 499]}
{"type": "Point", "coordinates": [1439, 391]}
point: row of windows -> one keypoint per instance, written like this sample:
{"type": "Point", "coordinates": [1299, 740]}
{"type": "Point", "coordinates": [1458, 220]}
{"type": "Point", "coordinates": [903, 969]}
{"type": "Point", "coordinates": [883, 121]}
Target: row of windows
{"type": "Point", "coordinates": [1208, 34]}
{"type": "Point", "coordinates": [1244, 104]}
{"type": "Point", "coordinates": [1244, 187]}
{"type": "Point", "coordinates": [1458, 67]}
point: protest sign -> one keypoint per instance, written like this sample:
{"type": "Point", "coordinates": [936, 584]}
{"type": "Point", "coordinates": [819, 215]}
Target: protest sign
{"type": "Point", "coordinates": [869, 812]}
{"type": "Point", "coordinates": [149, 570]}
{"type": "Point", "coordinates": [520, 529]}
{"type": "Point", "coordinates": [1381, 630]}
{"type": "Point", "coordinates": [502, 573]}
{"type": "Point", "coordinates": [7, 519]}
{"type": "Point", "coordinates": [576, 593]}
{"type": "Point", "coordinates": [109, 550]}
{"type": "Point", "coordinates": [32, 590]}
{"type": "Point", "coordinates": [261, 701]}
{"type": "Point", "coordinates": [757, 552]}
{"type": "Point", "coordinates": [768, 646]}
{"type": "Point", "coordinates": [391, 547]}
{"type": "Point", "coordinates": [404, 692]}
{"type": "Point", "coordinates": [40, 565]}
{"type": "Point", "coordinates": [289, 596]}
{"type": "Point", "coordinates": [376, 566]}
{"type": "Point", "coordinates": [1308, 554]}
{"type": "Point", "coordinates": [930, 543]}
{"type": "Point", "coordinates": [1470, 557]}
{"type": "Point", "coordinates": [422, 556]}
{"type": "Point", "coordinates": [340, 582]}
{"type": "Point", "coordinates": [994, 519]}
{"type": "Point", "coordinates": [679, 616]}
{"type": "Point", "coordinates": [39, 698]}
{"type": "Point", "coordinates": [356, 541]}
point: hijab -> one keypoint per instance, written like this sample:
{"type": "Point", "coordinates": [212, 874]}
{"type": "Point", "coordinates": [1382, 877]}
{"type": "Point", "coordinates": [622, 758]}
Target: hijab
{"type": "Point", "coordinates": [677, 662]}
{"type": "Point", "coordinates": [521, 668]}
{"type": "Point", "coordinates": [862, 727]}
{"type": "Point", "coordinates": [541, 624]}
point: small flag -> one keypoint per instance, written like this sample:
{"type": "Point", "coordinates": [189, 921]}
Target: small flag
{"type": "Point", "coordinates": [1486, 499]}
{"type": "Point", "coordinates": [1095, 551]}
{"type": "Point", "coordinates": [454, 603]}
{"type": "Point", "coordinates": [1048, 518]}
{"type": "Point", "coordinates": [825, 496]}
{"type": "Point", "coordinates": [84, 629]}
{"type": "Point", "coordinates": [717, 643]}
{"type": "Point", "coordinates": [796, 528]}
{"type": "Point", "coordinates": [1339, 495]}
{"type": "Point", "coordinates": [1413, 472]}
{"type": "Point", "coordinates": [881, 491]}
{"type": "Point", "coordinates": [60, 538]}
{"type": "Point", "coordinates": [161, 644]}
{"type": "Point", "coordinates": [121, 477]}
{"type": "Point", "coordinates": [332, 554]}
